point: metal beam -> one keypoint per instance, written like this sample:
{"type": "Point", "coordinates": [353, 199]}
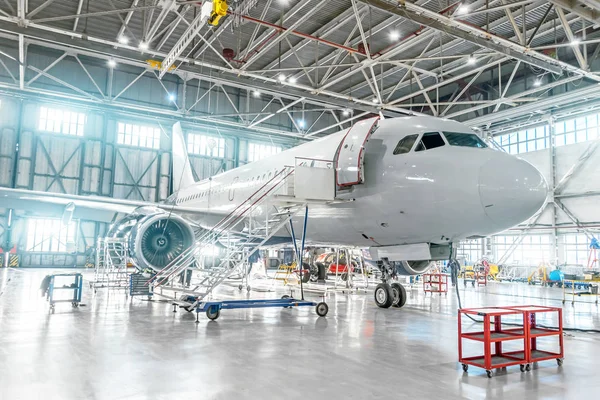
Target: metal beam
{"type": "Point", "coordinates": [281, 36]}
{"type": "Point", "coordinates": [22, 64]}
{"type": "Point", "coordinates": [571, 37]}
{"type": "Point", "coordinates": [130, 55]}
{"type": "Point", "coordinates": [576, 8]}
{"type": "Point", "coordinates": [477, 36]}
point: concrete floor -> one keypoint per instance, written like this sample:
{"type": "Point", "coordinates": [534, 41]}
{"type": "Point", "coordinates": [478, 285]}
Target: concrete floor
{"type": "Point", "coordinates": [118, 348]}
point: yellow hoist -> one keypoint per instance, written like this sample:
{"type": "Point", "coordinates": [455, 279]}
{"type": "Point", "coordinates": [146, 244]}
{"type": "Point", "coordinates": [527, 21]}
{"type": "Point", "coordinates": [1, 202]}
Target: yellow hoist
{"type": "Point", "coordinates": [219, 10]}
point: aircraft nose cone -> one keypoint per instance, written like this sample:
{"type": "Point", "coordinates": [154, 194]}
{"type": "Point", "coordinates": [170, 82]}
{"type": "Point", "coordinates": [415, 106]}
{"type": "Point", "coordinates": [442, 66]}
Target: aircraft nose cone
{"type": "Point", "coordinates": [511, 190]}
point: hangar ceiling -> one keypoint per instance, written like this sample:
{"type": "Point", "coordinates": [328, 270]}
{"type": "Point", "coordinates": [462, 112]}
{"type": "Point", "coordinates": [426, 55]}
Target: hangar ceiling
{"type": "Point", "coordinates": [489, 62]}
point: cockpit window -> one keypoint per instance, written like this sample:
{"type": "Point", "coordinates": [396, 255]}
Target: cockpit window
{"type": "Point", "coordinates": [405, 144]}
{"type": "Point", "coordinates": [430, 140]}
{"type": "Point", "coordinates": [464, 140]}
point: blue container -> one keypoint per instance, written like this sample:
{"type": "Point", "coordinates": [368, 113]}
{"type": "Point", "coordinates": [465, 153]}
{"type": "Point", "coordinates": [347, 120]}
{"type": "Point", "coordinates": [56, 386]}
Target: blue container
{"type": "Point", "coordinates": [556, 275]}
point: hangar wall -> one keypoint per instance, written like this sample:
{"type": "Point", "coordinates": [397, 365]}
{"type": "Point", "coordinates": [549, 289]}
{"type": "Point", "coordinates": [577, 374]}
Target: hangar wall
{"type": "Point", "coordinates": [93, 164]}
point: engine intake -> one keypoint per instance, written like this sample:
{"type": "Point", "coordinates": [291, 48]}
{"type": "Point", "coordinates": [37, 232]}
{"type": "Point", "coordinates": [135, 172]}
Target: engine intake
{"type": "Point", "coordinates": [155, 237]}
{"type": "Point", "coordinates": [417, 267]}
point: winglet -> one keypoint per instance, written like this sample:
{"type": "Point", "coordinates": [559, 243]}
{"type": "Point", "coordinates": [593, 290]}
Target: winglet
{"type": "Point", "coordinates": [182, 172]}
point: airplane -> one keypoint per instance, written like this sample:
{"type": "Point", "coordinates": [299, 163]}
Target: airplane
{"type": "Point", "coordinates": [407, 188]}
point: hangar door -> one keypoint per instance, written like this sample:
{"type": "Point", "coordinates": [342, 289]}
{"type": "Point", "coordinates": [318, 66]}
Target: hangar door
{"type": "Point", "coordinates": [350, 157]}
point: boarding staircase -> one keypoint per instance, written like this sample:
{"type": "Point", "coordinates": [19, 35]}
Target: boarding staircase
{"type": "Point", "coordinates": [240, 243]}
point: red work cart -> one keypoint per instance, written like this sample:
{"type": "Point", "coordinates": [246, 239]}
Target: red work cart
{"type": "Point", "coordinates": [494, 333]}
{"type": "Point", "coordinates": [435, 283]}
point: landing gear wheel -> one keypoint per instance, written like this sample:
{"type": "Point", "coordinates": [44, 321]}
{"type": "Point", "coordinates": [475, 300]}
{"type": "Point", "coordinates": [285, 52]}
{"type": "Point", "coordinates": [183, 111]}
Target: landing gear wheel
{"type": "Point", "coordinates": [528, 367]}
{"type": "Point", "coordinates": [322, 309]}
{"type": "Point", "coordinates": [285, 296]}
{"type": "Point", "coordinates": [344, 276]}
{"type": "Point", "coordinates": [384, 296]}
{"type": "Point", "coordinates": [489, 373]}
{"type": "Point", "coordinates": [465, 367]}
{"type": "Point", "coordinates": [248, 288]}
{"type": "Point", "coordinates": [240, 287]}
{"type": "Point", "coordinates": [559, 361]}
{"type": "Point", "coordinates": [399, 295]}
{"type": "Point", "coordinates": [213, 312]}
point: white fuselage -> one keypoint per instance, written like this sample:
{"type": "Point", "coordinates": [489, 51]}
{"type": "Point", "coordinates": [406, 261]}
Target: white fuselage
{"type": "Point", "coordinates": [438, 195]}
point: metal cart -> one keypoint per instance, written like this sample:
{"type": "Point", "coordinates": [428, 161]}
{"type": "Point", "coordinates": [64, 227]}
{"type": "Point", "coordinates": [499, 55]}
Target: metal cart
{"type": "Point", "coordinates": [213, 308]}
{"type": "Point", "coordinates": [61, 282]}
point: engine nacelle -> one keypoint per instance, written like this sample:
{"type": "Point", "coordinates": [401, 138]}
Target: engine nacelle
{"type": "Point", "coordinates": [417, 267]}
{"type": "Point", "coordinates": [155, 238]}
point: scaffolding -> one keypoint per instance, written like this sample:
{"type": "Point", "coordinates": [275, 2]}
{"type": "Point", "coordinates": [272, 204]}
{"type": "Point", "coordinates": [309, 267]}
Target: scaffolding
{"type": "Point", "coordinates": [110, 267]}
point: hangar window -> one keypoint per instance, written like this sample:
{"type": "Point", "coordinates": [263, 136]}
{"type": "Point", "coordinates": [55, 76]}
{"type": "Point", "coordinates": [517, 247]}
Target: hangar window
{"type": "Point", "coordinates": [204, 145]}
{"type": "Point", "coordinates": [138, 135]}
{"type": "Point", "coordinates": [51, 235]}
{"type": "Point", "coordinates": [577, 248]}
{"type": "Point", "coordinates": [530, 251]}
{"type": "Point", "coordinates": [405, 144]}
{"type": "Point", "coordinates": [257, 151]}
{"type": "Point", "coordinates": [430, 140]}
{"type": "Point", "coordinates": [525, 141]}
{"type": "Point", "coordinates": [577, 130]}
{"type": "Point", "coordinates": [60, 121]}
{"type": "Point", "coordinates": [464, 140]}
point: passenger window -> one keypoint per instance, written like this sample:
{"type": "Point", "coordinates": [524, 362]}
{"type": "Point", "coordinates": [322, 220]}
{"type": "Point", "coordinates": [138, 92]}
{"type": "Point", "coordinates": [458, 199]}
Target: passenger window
{"type": "Point", "coordinates": [405, 144]}
{"type": "Point", "coordinates": [464, 140]}
{"type": "Point", "coordinates": [430, 140]}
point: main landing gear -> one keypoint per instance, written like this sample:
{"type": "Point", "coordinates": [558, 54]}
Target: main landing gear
{"type": "Point", "coordinates": [387, 295]}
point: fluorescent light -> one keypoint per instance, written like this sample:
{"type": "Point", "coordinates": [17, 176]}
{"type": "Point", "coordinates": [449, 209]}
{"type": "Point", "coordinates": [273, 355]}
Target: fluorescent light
{"type": "Point", "coordinates": [292, 80]}
{"type": "Point", "coordinates": [256, 93]}
{"type": "Point", "coordinates": [172, 97]}
{"type": "Point", "coordinates": [375, 100]}
{"type": "Point", "coordinates": [462, 9]}
{"type": "Point", "coordinates": [301, 123]}
{"type": "Point", "coordinates": [472, 60]}
{"type": "Point", "coordinates": [537, 82]}
{"type": "Point", "coordinates": [394, 35]}
{"type": "Point", "coordinates": [575, 41]}
{"type": "Point", "coordinates": [143, 46]}
{"type": "Point", "coordinates": [281, 78]}
{"type": "Point", "coordinates": [346, 113]}
{"type": "Point", "coordinates": [123, 40]}
{"type": "Point", "coordinates": [112, 63]}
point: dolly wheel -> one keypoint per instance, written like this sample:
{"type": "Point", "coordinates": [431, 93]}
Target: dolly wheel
{"type": "Point", "coordinates": [522, 367]}
{"type": "Point", "coordinates": [213, 312]}
{"type": "Point", "coordinates": [559, 361]}
{"type": "Point", "coordinates": [322, 309]}
{"type": "Point", "coordinates": [285, 296]}
{"type": "Point", "coordinates": [528, 367]}
{"type": "Point", "coordinates": [489, 373]}
{"type": "Point", "coordinates": [465, 367]}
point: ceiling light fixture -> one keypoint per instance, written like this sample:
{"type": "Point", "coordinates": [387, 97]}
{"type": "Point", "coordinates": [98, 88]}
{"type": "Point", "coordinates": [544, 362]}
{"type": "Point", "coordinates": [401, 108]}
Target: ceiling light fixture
{"type": "Point", "coordinates": [281, 78]}
{"type": "Point", "coordinates": [143, 46]}
{"type": "Point", "coordinates": [394, 35]}
{"type": "Point", "coordinates": [462, 9]}
{"type": "Point", "coordinates": [123, 40]}
{"type": "Point", "coordinates": [292, 80]}
{"type": "Point", "coordinates": [112, 63]}
{"type": "Point", "coordinates": [575, 41]}
{"type": "Point", "coordinates": [472, 60]}
{"type": "Point", "coordinates": [256, 93]}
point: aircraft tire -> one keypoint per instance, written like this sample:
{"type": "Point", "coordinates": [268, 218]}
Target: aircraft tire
{"type": "Point", "coordinates": [384, 296]}
{"type": "Point", "coordinates": [399, 295]}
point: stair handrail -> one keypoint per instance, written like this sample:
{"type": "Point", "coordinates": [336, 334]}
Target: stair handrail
{"type": "Point", "coordinates": [225, 223]}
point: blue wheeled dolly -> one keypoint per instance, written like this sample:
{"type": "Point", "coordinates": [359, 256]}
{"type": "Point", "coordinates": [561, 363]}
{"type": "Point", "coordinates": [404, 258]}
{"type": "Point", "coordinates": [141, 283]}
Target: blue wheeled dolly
{"type": "Point", "coordinates": [213, 308]}
{"type": "Point", "coordinates": [75, 286]}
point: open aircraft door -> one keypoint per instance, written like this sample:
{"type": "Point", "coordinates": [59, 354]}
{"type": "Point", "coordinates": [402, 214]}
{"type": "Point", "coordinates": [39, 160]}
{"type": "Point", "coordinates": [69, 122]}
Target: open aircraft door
{"type": "Point", "coordinates": [350, 156]}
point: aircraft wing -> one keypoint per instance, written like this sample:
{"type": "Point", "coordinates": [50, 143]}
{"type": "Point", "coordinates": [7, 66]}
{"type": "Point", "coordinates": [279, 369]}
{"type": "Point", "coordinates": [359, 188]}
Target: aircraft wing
{"type": "Point", "coordinates": [93, 208]}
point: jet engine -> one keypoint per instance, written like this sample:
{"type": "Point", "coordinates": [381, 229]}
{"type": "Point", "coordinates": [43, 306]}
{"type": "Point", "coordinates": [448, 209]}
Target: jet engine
{"type": "Point", "coordinates": [417, 267]}
{"type": "Point", "coordinates": [155, 237]}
